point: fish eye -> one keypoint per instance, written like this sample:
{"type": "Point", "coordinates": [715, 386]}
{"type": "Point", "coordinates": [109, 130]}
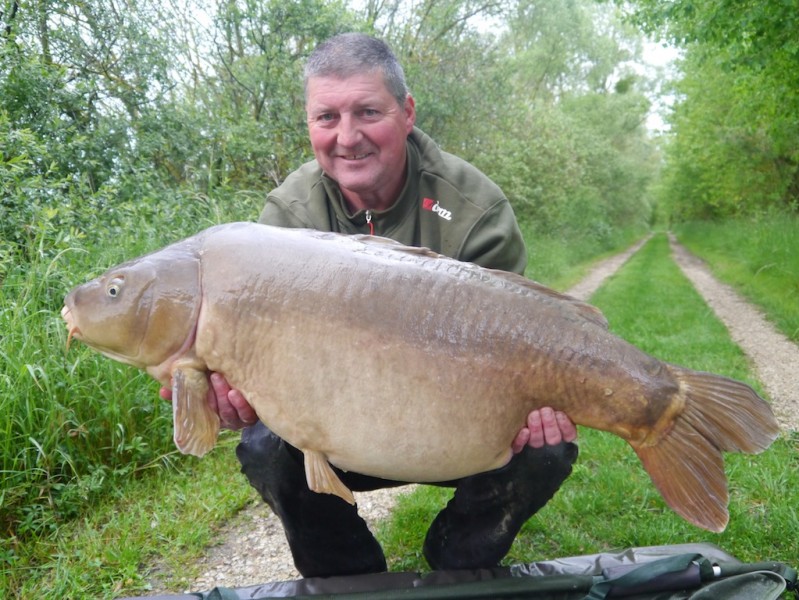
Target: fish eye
{"type": "Point", "coordinates": [114, 288]}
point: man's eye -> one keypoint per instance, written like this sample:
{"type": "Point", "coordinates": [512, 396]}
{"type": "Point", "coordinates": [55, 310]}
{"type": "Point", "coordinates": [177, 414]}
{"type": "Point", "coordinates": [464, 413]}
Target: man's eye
{"type": "Point", "coordinates": [369, 112]}
{"type": "Point", "coordinates": [325, 117]}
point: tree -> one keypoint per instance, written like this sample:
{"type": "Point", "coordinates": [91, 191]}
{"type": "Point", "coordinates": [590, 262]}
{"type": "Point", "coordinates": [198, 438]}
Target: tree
{"type": "Point", "coordinates": [570, 147]}
{"type": "Point", "coordinates": [244, 96]}
{"type": "Point", "coordinates": [722, 159]}
{"type": "Point", "coordinates": [735, 145]}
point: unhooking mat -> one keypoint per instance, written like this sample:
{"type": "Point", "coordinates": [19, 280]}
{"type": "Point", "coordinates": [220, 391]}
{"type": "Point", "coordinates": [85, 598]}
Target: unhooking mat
{"type": "Point", "coordinates": [678, 572]}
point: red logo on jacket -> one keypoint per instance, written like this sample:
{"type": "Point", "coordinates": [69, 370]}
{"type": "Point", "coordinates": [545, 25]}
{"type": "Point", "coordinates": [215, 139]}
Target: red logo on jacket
{"type": "Point", "coordinates": [433, 206]}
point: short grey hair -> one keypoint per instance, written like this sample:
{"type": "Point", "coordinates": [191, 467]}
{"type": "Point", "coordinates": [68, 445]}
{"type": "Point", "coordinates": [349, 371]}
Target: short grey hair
{"type": "Point", "coordinates": [349, 54]}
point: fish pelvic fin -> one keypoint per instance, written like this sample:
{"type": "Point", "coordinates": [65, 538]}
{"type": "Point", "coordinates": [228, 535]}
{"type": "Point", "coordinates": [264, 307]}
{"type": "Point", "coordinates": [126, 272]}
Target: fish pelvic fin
{"type": "Point", "coordinates": [322, 478]}
{"type": "Point", "coordinates": [686, 465]}
{"type": "Point", "coordinates": [196, 426]}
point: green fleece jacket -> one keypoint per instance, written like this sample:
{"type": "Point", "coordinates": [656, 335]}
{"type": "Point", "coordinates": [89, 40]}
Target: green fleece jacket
{"type": "Point", "coordinates": [447, 205]}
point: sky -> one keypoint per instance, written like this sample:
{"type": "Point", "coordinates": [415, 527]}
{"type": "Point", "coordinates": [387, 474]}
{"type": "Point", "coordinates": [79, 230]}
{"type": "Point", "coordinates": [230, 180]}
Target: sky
{"type": "Point", "coordinates": [660, 58]}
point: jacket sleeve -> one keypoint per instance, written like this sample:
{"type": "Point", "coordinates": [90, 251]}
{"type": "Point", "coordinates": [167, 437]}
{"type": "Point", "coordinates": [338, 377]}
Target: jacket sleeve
{"type": "Point", "coordinates": [495, 241]}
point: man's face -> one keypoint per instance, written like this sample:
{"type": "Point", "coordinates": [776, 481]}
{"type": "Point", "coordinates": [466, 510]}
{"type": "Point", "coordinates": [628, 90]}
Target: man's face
{"type": "Point", "coordinates": [358, 133]}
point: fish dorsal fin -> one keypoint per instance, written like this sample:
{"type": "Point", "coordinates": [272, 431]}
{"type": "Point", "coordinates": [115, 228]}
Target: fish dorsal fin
{"type": "Point", "coordinates": [378, 241]}
{"type": "Point", "coordinates": [587, 311]}
{"type": "Point", "coordinates": [583, 309]}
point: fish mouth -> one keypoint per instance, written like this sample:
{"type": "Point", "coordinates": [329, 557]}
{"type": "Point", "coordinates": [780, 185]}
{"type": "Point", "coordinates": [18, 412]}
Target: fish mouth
{"type": "Point", "coordinates": [73, 330]}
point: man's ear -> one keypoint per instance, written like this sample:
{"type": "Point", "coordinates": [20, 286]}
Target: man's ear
{"type": "Point", "coordinates": [410, 112]}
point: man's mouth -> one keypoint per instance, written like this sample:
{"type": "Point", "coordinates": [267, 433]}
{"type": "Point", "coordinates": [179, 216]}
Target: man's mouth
{"type": "Point", "coordinates": [353, 156]}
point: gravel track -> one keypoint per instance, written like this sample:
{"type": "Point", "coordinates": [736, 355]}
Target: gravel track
{"type": "Point", "coordinates": [252, 548]}
{"type": "Point", "coordinates": [774, 357]}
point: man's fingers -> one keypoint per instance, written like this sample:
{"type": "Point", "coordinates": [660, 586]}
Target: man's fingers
{"type": "Point", "coordinates": [549, 427]}
{"type": "Point", "coordinates": [567, 428]}
{"type": "Point", "coordinates": [536, 429]}
{"type": "Point", "coordinates": [218, 401]}
{"type": "Point", "coordinates": [232, 407]}
{"type": "Point", "coordinates": [244, 410]}
{"type": "Point", "coordinates": [219, 384]}
{"type": "Point", "coordinates": [522, 439]}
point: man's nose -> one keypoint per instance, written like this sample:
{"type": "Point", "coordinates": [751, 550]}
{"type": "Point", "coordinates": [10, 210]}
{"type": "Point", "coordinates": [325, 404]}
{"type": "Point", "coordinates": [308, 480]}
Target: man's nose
{"type": "Point", "coordinates": [349, 131]}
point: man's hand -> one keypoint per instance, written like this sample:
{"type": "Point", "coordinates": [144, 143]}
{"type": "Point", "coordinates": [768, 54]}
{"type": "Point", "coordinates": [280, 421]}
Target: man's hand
{"type": "Point", "coordinates": [545, 427]}
{"type": "Point", "coordinates": [232, 407]}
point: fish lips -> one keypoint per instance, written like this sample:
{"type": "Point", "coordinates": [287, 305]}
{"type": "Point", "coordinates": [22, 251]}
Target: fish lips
{"type": "Point", "coordinates": [72, 330]}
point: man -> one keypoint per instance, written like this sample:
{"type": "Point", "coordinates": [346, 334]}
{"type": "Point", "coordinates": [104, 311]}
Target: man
{"type": "Point", "coordinates": [376, 173]}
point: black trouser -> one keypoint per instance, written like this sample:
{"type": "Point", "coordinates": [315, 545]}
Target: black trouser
{"type": "Point", "coordinates": [328, 537]}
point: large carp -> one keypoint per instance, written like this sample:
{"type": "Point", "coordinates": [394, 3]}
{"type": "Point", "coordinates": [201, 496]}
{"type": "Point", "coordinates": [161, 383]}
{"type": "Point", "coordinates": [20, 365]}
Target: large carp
{"type": "Point", "coordinates": [403, 364]}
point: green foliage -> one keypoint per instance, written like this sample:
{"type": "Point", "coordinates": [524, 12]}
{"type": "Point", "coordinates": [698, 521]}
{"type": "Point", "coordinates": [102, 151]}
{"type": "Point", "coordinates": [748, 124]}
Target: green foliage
{"type": "Point", "coordinates": [65, 435]}
{"type": "Point", "coordinates": [242, 124]}
{"type": "Point", "coordinates": [734, 148]}
{"type": "Point", "coordinates": [752, 32]}
{"type": "Point", "coordinates": [569, 148]}
{"type": "Point", "coordinates": [726, 157]}
{"type": "Point", "coordinates": [79, 425]}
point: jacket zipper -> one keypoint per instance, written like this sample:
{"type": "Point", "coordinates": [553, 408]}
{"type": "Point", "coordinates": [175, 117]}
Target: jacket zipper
{"type": "Point", "coordinates": [369, 222]}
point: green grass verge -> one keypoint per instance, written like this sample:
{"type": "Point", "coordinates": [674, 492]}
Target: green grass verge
{"type": "Point", "coordinates": [609, 502]}
{"type": "Point", "coordinates": [560, 261]}
{"type": "Point", "coordinates": [759, 257]}
{"type": "Point", "coordinates": [167, 520]}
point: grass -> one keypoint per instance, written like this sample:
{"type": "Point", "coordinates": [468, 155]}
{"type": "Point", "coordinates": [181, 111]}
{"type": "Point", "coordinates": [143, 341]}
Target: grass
{"type": "Point", "coordinates": [560, 261]}
{"type": "Point", "coordinates": [78, 429]}
{"type": "Point", "coordinates": [93, 493]}
{"type": "Point", "coordinates": [168, 519]}
{"type": "Point", "coordinates": [759, 257]}
{"type": "Point", "coordinates": [609, 502]}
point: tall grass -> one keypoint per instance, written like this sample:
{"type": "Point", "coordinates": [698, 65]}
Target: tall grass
{"type": "Point", "coordinates": [75, 426]}
{"type": "Point", "coordinates": [757, 255]}
{"type": "Point", "coordinates": [609, 503]}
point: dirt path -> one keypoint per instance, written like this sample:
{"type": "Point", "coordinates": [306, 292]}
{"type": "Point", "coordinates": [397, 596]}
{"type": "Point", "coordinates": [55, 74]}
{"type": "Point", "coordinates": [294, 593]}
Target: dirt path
{"type": "Point", "coordinates": [252, 548]}
{"type": "Point", "coordinates": [774, 356]}
{"type": "Point", "coordinates": [601, 271]}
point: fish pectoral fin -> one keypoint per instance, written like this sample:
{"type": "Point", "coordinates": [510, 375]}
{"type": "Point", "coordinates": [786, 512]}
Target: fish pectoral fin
{"type": "Point", "coordinates": [196, 425]}
{"type": "Point", "coordinates": [322, 478]}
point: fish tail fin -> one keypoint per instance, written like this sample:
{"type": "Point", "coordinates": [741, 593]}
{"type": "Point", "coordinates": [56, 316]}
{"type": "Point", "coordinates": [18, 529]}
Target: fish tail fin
{"type": "Point", "coordinates": [686, 465]}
